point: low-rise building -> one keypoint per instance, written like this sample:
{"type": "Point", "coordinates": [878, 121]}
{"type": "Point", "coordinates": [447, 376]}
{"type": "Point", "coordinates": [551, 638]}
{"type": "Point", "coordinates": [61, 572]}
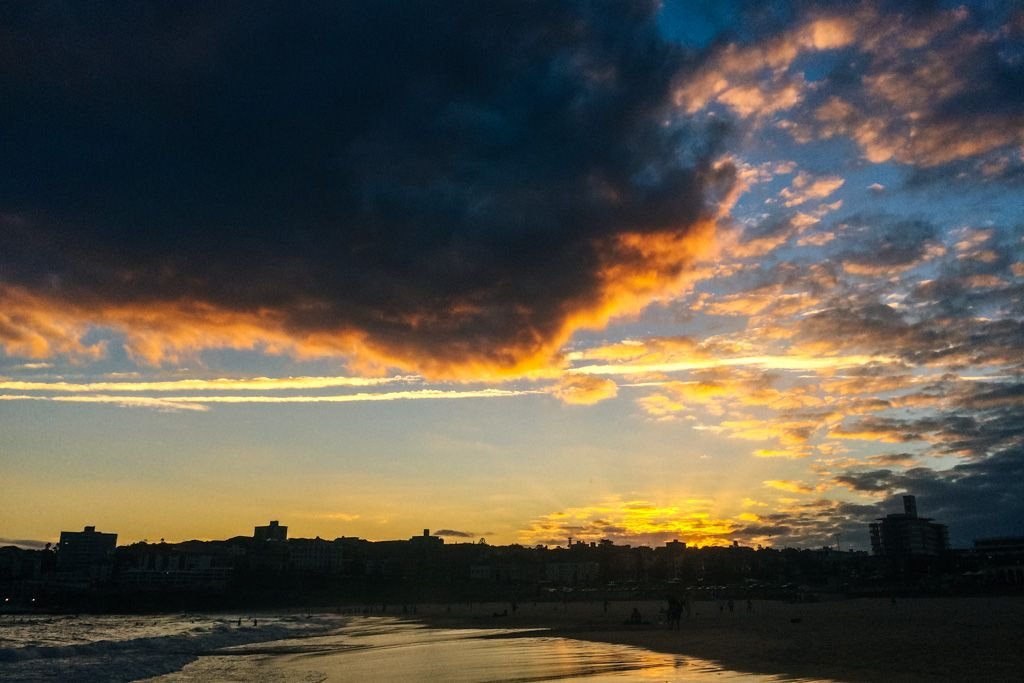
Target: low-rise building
{"type": "Point", "coordinates": [168, 567]}
{"type": "Point", "coordinates": [1001, 560]}
{"type": "Point", "coordinates": [315, 555]}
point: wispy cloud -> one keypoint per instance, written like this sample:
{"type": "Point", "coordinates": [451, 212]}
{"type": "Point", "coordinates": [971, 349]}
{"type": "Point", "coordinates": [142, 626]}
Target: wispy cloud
{"type": "Point", "coordinates": [809, 363]}
{"type": "Point", "coordinates": [201, 402]}
{"type": "Point", "coordinates": [219, 384]}
{"type": "Point", "coordinates": [806, 188]}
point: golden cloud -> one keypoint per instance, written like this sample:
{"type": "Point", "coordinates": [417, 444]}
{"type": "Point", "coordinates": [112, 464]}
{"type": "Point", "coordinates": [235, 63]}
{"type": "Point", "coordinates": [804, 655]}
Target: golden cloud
{"type": "Point", "coordinates": [789, 485]}
{"type": "Point", "coordinates": [733, 75]}
{"type": "Point", "coordinates": [584, 389]}
{"type": "Point", "coordinates": [805, 188]}
{"type": "Point", "coordinates": [637, 521]}
{"type": "Point", "coordinates": [637, 269]}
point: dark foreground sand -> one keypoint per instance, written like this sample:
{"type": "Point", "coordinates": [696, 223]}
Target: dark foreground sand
{"type": "Point", "coordinates": [923, 639]}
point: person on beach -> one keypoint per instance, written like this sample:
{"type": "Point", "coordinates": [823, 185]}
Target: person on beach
{"type": "Point", "coordinates": [674, 612]}
{"type": "Point", "coordinates": [635, 617]}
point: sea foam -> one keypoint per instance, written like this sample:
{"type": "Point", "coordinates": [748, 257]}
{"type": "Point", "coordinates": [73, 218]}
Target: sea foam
{"type": "Point", "coordinates": [127, 648]}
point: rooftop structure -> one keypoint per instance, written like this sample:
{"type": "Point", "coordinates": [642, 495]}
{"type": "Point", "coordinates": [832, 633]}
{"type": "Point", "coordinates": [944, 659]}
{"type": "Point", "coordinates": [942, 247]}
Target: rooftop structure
{"type": "Point", "coordinates": [272, 532]}
{"type": "Point", "coordinates": [905, 534]}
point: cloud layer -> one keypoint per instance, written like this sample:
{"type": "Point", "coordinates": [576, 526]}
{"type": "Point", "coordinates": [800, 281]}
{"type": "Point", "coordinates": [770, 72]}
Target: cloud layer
{"type": "Point", "coordinates": [823, 200]}
{"type": "Point", "coordinates": [414, 188]}
{"type": "Point", "coordinates": [916, 83]}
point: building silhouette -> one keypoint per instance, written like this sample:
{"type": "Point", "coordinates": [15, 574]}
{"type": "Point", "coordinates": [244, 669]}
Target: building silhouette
{"type": "Point", "coordinates": [899, 535]}
{"type": "Point", "coordinates": [1001, 560]}
{"type": "Point", "coordinates": [86, 556]}
{"type": "Point", "coordinates": [270, 547]}
{"type": "Point", "coordinates": [272, 532]}
{"type": "Point", "coordinates": [86, 570]}
{"type": "Point", "coordinates": [316, 555]}
{"type": "Point", "coordinates": [184, 566]}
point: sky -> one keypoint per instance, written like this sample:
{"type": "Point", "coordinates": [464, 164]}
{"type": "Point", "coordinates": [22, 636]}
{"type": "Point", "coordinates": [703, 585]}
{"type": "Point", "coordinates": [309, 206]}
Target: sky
{"type": "Point", "coordinates": [707, 271]}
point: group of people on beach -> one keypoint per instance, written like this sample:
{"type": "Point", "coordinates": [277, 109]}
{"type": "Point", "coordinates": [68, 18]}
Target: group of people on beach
{"type": "Point", "coordinates": [673, 613]}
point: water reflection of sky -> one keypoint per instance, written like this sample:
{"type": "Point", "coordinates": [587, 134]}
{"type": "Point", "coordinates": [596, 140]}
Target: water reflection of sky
{"type": "Point", "coordinates": [389, 650]}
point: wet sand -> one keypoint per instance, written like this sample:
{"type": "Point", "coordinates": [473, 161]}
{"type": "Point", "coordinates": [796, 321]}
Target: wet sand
{"type": "Point", "coordinates": [865, 640]}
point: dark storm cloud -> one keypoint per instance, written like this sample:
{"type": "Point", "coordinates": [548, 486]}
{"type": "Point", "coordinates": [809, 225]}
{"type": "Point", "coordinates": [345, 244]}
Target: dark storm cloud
{"type": "Point", "coordinates": [892, 458]}
{"type": "Point", "coordinates": [24, 543]}
{"type": "Point", "coordinates": [977, 279]}
{"type": "Point", "coordinates": [820, 523]}
{"type": "Point", "coordinates": [960, 417]}
{"type": "Point", "coordinates": [452, 533]}
{"type": "Point", "coordinates": [442, 181]}
{"type": "Point", "coordinates": [871, 481]}
{"type": "Point", "coordinates": [772, 227]}
{"type": "Point", "coordinates": [885, 243]}
{"type": "Point", "coordinates": [980, 498]}
{"type": "Point", "coordinates": [757, 530]}
{"type": "Point", "coordinates": [945, 323]}
{"type": "Point", "coordinates": [1004, 169]}
{"type": "Point", "coordinates": [871, 326]}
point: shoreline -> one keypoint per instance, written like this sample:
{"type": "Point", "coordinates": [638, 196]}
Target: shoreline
{"type": "Point", "coordinates": [842, 640]}
{"type": "Point", "coordinates": [855, 641]}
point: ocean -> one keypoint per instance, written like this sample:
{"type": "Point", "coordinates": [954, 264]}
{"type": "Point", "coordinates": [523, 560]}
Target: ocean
{"type": "Point", "coordinates": [319, 648]}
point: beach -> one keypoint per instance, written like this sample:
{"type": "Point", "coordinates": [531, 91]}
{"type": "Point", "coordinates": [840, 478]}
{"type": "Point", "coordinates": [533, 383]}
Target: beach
{"type": "Point", "coordinates": [857, 640]}
{"type": "Point", "coordinates": [394, 650]}
{"type": "Point", "coordinates": [852, 641]}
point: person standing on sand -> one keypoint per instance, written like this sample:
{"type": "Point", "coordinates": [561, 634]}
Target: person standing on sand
{"type": "Point", "coordinates": [675, 612]}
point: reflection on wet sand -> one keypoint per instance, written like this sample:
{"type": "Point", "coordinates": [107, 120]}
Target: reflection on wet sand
{"type": "Point", "coordinates": [385, 649]}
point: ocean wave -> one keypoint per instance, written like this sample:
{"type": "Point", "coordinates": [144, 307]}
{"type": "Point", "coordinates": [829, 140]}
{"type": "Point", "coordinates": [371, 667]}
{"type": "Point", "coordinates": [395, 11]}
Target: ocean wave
{"type": "Point", "coordinates": [132, 658]}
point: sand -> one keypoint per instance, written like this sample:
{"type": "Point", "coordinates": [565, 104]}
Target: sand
{"type": "Point", "coordinates": [922, 639]}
